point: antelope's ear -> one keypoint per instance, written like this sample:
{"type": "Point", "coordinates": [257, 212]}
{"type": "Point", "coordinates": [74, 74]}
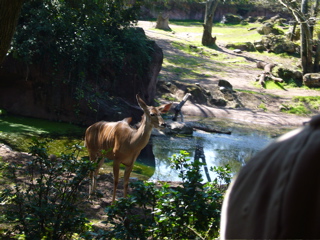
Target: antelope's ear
{"type": "Point", "coordinates": [165, 108]}
{"type": "Point", "coordinates": [141, 103]}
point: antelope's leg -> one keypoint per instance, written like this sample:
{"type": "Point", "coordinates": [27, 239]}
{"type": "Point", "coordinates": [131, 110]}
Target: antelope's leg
{"type": "Point", "coordinates": [126, 179]}
{"type": "Point", "coordinates": [94, 175]}
{"type": "Point", "coordinates": [116, 167]}
{"type": "Point", "coordinates": [92, 157]}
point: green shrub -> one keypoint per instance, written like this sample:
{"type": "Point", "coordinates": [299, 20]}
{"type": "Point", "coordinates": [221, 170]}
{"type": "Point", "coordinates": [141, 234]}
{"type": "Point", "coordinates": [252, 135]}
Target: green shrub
{"type": "Point", "coordinates": [189, 211]}
{"type": "Point", "coordinates": [44, 200]}
{"type": "Point", "coordinates": [75, 42]}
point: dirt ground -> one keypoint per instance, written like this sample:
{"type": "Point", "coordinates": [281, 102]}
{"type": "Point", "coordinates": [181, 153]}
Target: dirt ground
{"type": "Point", "coordinates": [240, 78]}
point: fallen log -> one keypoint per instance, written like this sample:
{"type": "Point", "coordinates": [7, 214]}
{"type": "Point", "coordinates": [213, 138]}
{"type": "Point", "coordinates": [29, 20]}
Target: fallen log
{"type": "Point", "coordinates": [267, 73]}
{"type": "Point", "coordinates": [211, 130]}
{"type": "Point", "coordinates": [203, 127]}
{"type": "Point", "coordinates": [177, 108]}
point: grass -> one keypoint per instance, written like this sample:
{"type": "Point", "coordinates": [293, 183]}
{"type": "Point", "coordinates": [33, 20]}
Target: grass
{"type": "Point", "coordinates": [303, 105]}
{"type": "Point", "coordinates": [223, 32]}
{"type": "Point", "coordinates": [18, 132]}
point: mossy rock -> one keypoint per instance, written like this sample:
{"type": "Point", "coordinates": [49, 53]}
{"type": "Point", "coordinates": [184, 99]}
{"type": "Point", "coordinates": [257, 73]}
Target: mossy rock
{"type": "Point", "coordinates": [231, 19]}
{"type": "Point", "coordinates": [279, 44]}
{"type": "Point", "coordinates": [244, 46]}
{"type": "Point", "coordinates": [198, 96]}
{"type": "Point", "coordinates": [268, 28]}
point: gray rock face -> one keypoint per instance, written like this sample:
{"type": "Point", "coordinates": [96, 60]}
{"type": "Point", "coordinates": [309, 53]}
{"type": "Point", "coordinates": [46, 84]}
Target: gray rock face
{"type": "Point", "coordinates": [311, 79]}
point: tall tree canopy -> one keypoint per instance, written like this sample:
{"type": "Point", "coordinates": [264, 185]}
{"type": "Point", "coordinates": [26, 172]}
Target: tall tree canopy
{"type": "Point", "coordinates": [9, 15]}
{"type": "Point", "coordinates": [78, 37]}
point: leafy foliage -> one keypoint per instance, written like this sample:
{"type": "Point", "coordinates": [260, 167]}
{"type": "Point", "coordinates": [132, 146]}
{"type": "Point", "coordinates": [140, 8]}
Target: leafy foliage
{"type": "Point", "coordinates": [81, 41]}
{"type": "Point", "coordinates": [189, 211]}
{"type": "Point", "coordinates": [44, 201]}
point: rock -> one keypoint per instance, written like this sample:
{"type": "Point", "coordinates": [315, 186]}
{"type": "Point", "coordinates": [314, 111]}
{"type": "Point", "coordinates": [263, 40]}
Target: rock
{"type": "Point", "coordinates": [251, 19]}
{"type": "Point", "coordinates": [279, 44]}
{"type": "Point", "coordinates": [242, 46]}
{"type": "Point", "coordinates": [237, 51]}
{"type": "Point", "coordinates": [231, 18]}
{"type": "Point", "coordinates": [199, 95]}
{"type": "Point", "coordinates": [258, 44]}
{"type": "Point", "coordinates": [268, 28]}
{"type": "Point", "coordinates": [178, 128]}
{"type": "Point", "coordinates": [261, 19]}
{"type": "Point", "coordinates": [265, 29]}
{"type": "Point", "coordinates": [219, 102]}
{"type": "Point", "coordinates": [311, 79]}
{"type": "Point", "coordinates": [287, 74]}
{"type": "Point", "coordinates": [225, 84]}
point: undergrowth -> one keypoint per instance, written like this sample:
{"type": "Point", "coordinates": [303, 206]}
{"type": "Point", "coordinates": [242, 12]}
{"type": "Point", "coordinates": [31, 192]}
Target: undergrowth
{"type": "Point", "coordinates": [44, 198]}
{"type": "Point", "coordinates": [188, 211]}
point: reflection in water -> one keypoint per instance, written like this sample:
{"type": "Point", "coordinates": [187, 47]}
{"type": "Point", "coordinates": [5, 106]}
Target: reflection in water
{"type": "Point", "coordinates": [219, 149]}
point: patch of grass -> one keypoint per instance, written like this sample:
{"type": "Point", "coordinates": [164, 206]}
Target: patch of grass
{"type": "Point", "coordinates": [187, 23]}
{"type": "Point", "coordinates": [303, 105]}
{"type": "Point", "coordinates": [18, 132]}
{"type": "Point", "coordinates": [292, 83]}
{"type": "Point", "coordinates": [168, 98]}
{"type": "Point", "coordinates": [274, 85]}
{"type": "Point", "coordinates": [223, 32]}
{"type": "Point", "coordinates": [270, 85]}
{"type": "Point", "coordinates": [297, 108]}
{"type": "Point", "coordinates": [312, 101]}
{"type": "Point", "coordinates": [257, 93]}
{"type": "Point", "coordinates": [140, 171]}
{"type": "Point", "coordinates": [263, 107]}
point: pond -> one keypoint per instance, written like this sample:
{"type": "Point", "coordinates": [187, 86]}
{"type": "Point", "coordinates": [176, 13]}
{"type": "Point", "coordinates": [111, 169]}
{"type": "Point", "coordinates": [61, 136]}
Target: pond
{"type": "Point", "coordinates": [217, 149]}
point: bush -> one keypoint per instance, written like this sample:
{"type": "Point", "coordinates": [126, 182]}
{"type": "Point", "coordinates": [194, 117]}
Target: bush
{"type": "Point", "coordinates": [44, 199]}
{"type": "Point", "coordinates": [75, 42]}
{"type": "Point", "coordinates": [189, 211]}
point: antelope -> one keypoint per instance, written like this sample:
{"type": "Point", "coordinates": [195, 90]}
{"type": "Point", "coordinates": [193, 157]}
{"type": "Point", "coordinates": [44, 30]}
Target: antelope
{"type": "Point", "coordinates": [121, 143]}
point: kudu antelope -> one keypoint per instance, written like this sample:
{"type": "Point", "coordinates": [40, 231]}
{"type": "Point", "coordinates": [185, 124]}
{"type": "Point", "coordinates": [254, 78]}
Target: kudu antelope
{"type": "Point", "coordinates": [119, 142]}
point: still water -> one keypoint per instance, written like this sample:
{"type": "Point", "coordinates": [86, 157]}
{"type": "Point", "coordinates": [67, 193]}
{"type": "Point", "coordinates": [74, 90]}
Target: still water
{"type": "Point", "coordinates": [219, 149]}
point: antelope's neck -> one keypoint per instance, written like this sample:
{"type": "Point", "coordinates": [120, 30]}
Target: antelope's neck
{"type": "Point", "coordinates": [141, 136]}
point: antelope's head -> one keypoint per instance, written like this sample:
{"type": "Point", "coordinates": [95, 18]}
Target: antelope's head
{"type": "Point", "coordinates": [153, 114]}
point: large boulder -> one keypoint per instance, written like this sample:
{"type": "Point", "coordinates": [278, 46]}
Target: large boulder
{"type": "Point", "coordinates": [311, 79]}
{"type": "Point", "coordinates": [268, 28]}
{"type": "Point", "coordinates": [279, 44]}
{"type": "Point", "coordinates": [231, 19]}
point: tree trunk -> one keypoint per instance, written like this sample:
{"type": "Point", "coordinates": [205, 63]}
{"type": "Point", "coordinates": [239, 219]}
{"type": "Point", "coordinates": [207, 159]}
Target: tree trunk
{"type": "Point", "coordinates": [306, 39]}
{"type": "Point", "coordinates": [317, 57]}
{"type": "Point", "coordinates": [293, 31]}
{"type": "Point", "coordinates": [317, 54]}
{"type": "Point", "coordinates": [163, 22]}
{"type": "Point", "coordinates": [207, 39]}
{"type": "Point", "coordinates": [9, 15]}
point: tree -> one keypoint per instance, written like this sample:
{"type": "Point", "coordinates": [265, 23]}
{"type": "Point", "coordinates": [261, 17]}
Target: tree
{"type": "Point", "coordinates": [9, 15]}
{"type": "Point", "coordinates": [211, 6]}
{"type": "Point", "coordinates": [302, 16]}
